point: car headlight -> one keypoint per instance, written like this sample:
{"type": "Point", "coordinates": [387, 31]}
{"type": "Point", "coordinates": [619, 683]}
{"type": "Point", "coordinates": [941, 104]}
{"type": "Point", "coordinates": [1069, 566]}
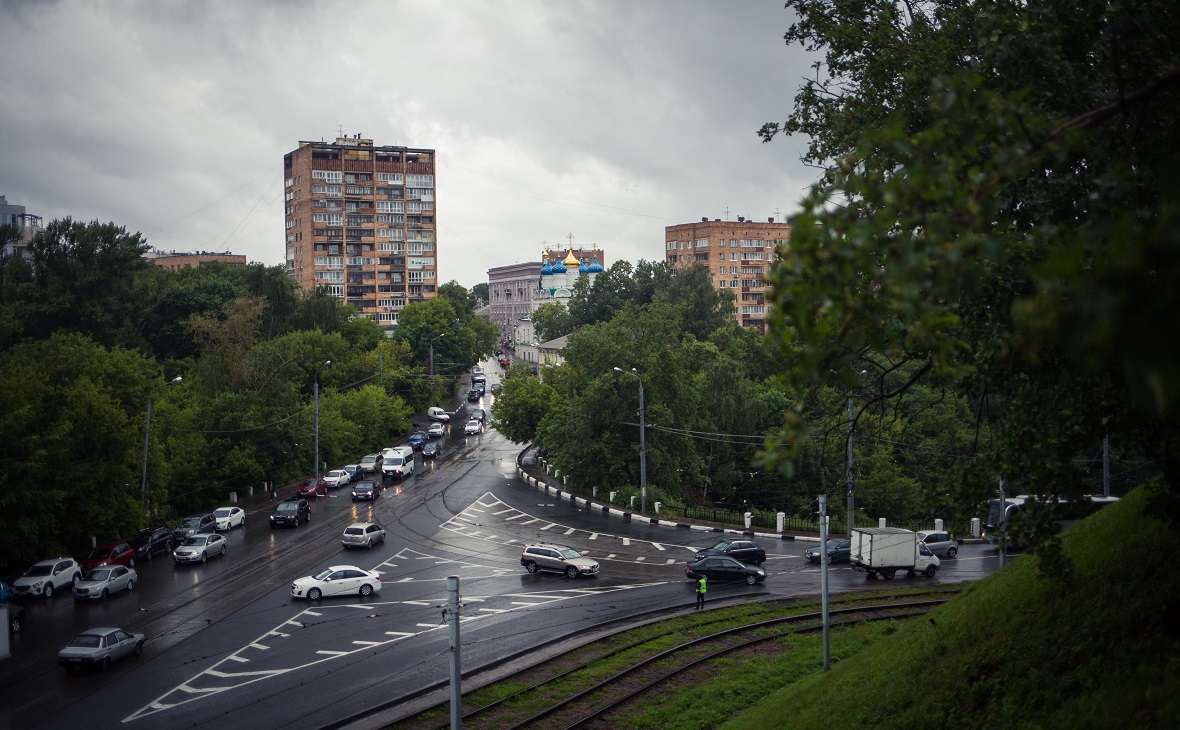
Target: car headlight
{"type": "Point", "coordinates": [38, 584]}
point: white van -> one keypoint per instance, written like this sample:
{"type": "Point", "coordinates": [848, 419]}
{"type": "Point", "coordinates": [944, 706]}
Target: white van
{"type": "Point", "coordinates": [399, 462]}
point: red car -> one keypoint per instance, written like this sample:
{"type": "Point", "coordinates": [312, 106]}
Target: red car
{"type": "Point", "coordinates": [313, 487]}
{"type": "Point", "coordinates": [117, 553]}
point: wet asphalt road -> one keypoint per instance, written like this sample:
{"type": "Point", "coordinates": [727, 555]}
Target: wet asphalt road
{"type": "Point", "coordinates": [229, 647]}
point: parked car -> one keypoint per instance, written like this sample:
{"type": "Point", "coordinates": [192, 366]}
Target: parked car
{"type": "Point", "coordinates": [313, 487]}
{"type": "Point", "coordinates": [117, 553]}
{"type": "Point", "coordinates": [746, 551]}
{"type": "Point", "coordinates": [371, 463]}
{"type": "Point", "coordinates": [100, 583]}
{"type": "Point", "coordinates": [430, 450]}
{"type": "Point", "coordinates": [557, 558]}
{"type": "Point", "coordinates": [47, 577]}
{"type": "Point", "coordinates": [354, 472]}
{"type": "Point", "coordinates": [473, 426]}
{"type": "Point", "coordinates": [478, 414]}
{"type": "Point", "coordinates": [337, 478]}
{"type": "Point", "coordinates": [398, 462]}
{"type": "Point", "coordinates": [365, 491]}
{"type": "Point", "coordinates": [439, 415]}
{"type": "Point", "coordinates": [97, 648]}
{"type": "Point", "coordinates": [838, 551]}
{"type": "Point", "coordinates": [227, 518]}
{"type": "Point", "coordinates": [362, 534]}
{"type": "Point", "coordinates": [199, 548]}
{"type": "Point", "coordinates": [436, 430]}
{"type": "Point", "coordinates": [291, 512]}
{"type": "Point", "coordinates": [721, 567]}
{"type": "Point", "coordinates": [416, 440]}
{"type": "Point", "coordinates": [16, 614]}
{"type": "Point", "coordinates": [337, 580]}
{"type": "Point", "coordinates": [193, 525]}
{"type": "Point", "coordinates": [151, 540]}
{"type": "Point", "coordinates": [939, 543]}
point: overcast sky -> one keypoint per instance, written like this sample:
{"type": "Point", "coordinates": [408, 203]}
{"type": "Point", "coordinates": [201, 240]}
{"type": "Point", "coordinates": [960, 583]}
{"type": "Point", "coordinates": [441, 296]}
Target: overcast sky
{"type": "Point", "coordinates": [607, 120]}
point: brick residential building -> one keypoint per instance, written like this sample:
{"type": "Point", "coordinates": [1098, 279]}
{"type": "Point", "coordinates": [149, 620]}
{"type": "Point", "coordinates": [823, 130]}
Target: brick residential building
{"type": "Point", "coordinates": [361, 223]}
{"type": "Point", "coordinates": [175, 260]}
{"type": "Point", "coordinates": [738, 255]}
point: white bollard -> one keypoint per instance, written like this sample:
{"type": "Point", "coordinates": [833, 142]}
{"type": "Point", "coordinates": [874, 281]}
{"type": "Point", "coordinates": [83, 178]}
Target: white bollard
{"type": "Point", "coordinates": [881, 522]}
{"type": "Point", "coordinates": [782, 521]}
{"type": "Point", "coordinates": [658, 505]}
{"type": "Point", "coordinates": [633, 502]}
{"type": "Point", "coordinates": [612, 497]}
{"type": "Point", "coordinates": [938, 525]}
{"type": "Point", "coordinates": [565, 481]}
{"type": "Point", "coordinates": [749, 519]}
{"type": "Point", "coordinates": [233, 497]}
{"type": "Point", "coordinates": [976, 530]}
{"type": "Point", "coordinates": [594, 492]}
{"type": "Point", "coordinates": [250, 491]}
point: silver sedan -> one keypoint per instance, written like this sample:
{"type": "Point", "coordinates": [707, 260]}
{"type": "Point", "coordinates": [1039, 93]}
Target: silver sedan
{"type": "Point", "coordinates": [198, 548]}
{"type": "Point", "coordinates": [101, 582]}
{"type": "Point", "coordinates": [97, 648]}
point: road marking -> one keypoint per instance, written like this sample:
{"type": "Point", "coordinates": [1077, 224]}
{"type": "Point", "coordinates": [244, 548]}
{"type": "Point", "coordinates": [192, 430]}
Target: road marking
{"type": "Point", "coordinates": [570, 531]}
{"type": "Point", "coordinates": [504, 511]}
{"type": "Point", "coordinates": [550, 526]}
{"type": "Point", "coordinates": [367, 643]}
{"type": "Point", "coordinates": [256, 645]}
{"type": "Point", "coordinates": [399, 634]}
{"type": "Point", "coordinates": [626, 541]}
{"type": "Point", "coordinates": [593, 535]}
{"type": "Point", "coordinates": [658, 546]}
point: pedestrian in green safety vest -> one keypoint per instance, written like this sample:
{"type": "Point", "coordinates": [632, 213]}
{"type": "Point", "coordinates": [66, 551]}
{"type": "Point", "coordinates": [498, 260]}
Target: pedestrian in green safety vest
{"type": "Point", "coordinates": [701, 588]}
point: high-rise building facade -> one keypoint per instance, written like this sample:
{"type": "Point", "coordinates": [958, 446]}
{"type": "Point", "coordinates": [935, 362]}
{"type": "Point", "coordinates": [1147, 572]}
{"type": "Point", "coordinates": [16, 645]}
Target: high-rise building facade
{"type": "Point", "coordinates": [361, 223]}
{"type": "Point", "coordinates": [737, 254]}
{"type": "Point", "coordinates": [26, 224]}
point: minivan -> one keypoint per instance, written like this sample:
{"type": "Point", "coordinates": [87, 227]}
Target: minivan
{"type": "Point", "coordinates": [398, 462]}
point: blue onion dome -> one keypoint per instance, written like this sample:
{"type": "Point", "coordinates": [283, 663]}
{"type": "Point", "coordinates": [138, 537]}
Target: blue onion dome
{"type": "Point", "coordinates": [582, 268]}
{"type": "Point", "coordinates": [558, 267]}
{"type": "Point", "coordinates": [594, 267]}
{"type": "Point", "coordinates": [547, 268]}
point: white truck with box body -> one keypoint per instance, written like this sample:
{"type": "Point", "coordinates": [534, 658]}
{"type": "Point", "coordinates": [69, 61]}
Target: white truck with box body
{"type": "Point", "coordinates": [886, 550]}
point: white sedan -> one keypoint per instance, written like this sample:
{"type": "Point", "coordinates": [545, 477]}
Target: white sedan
{"type": "Point", "coordinates": [336, 581]}
{"type": "Point", "coordinates": [471, 428]}
{"type": "Point", "coordinates": [436, 430]}
{"type": "Point", "coordinates": [337, 478]}
{"type": "Point", "coordinates": [229, 517]}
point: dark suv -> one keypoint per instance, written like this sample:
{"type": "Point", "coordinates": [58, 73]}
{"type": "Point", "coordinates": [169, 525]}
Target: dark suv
{"type": "Point", "coordinates": [291, 512]}
{"type": "Point", "coordinates": [193, 525]}
{"type": "Point", "coordinates": [746, 551]}
{"type": "Point", "coordinates": [150, 541]}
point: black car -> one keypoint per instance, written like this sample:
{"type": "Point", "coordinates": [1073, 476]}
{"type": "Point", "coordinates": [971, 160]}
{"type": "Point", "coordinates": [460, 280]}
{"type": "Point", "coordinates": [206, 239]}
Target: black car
{"type": "Point", "coordinates": [839, 551]}
{"type": "Point", "coordinates": [479, 414]}
{"type": "Point", "coordinates": [291, 512]}
{"type": "Point", "coordinates": [149, 541]}
{"type": "Point", "coordinates": [474, 395]}
{"type": "Point", "coordinates": [746, 551]}
{"type": "Point", "coordinates": [430, 450]}
{"type": "Point", "coordinates": [365, 491]}
{"type": "Point", "coordinates": [720, 567]}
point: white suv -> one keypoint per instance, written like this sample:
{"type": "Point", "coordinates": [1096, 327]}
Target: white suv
{"type": "Point", "coordinates": [48, 576]}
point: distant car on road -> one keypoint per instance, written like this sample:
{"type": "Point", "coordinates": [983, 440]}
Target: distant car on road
{"type": "Point", "coordinates": [229, 517]}
{"type": "Point", "coordinates": [47, 577]}
{"type": "Point", "coordinates": [192, 525]}
{"type": "Point", "coordinates": [117, 553]}
{"type": "Point", "coordinates": [939, 543]}
{"type": "Point", "coordinates": [97, 648]}
{"type": "Point", "coordinates": [746, 551]}
{"type": "Point", "coordinates": [354, 472]}
{"type": "Point", "coordinates": [473, 426]}
{"type": "Point", "coordinates": [439, 415]}
{"type": "Point", "coordinates": [839, 550]}
{"type": "Point", "coordinates": [198, 549]}
{"type": "Point", "coordinates": [291, 512]}
{"type": "Point", "coordinates": [336, 581]}
{"type": "Point", "coordinates": [152, 540]}
{"type": "Point", "coordinates": [474, 395]}
{"type": "Point", "coordinates": [337, 478]}
{"type": "Point", "coordinates": [436, 430]}
{"type": "Point", "coordinates": [557, 558]}
{"type": "Point", "coordinates": [478, 414]}
{"type": "Point", "coordinates": [430, 450]}
{"type": "Point", "coordinates": [371, 463]}
{"type": "Point", "coordinates": [362, 534]}
{"type": "Point", "coordinates": [416, 440]}
{"type": "Point", "coordinates": [721, 567]}
{"type": "Point", "coordinates": [100, 583]}
{"type": "Point", "coordinates": [313, 487]}
{"type": "Point", "coordinates": [365, 491]}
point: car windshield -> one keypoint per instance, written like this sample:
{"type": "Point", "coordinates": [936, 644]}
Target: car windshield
{"type": "Point", "coordinates": [721, 545]}
{"type": "Point", "coordinates": [569, 553]}
{"type": "Point", "coordinates": [100, 553]}
{"type": "Point", "coordinates": [287, 507]}
{"type": "Point", "coordinates": [39, 570]}
{"type": "Point", "coordinates": [87, 641]}
{"type": "Point", "coordinates": [195, 541]}
{"type": "Point", "coordinates": [337, 473]}
{"type": "Point", "coordinates": [837, 544]}
{"type": "Point", "coordinates": [225, 512]}
{"type": "Point", "coordinates": [323, 574]}
{"type": "Point", "coordinates": [364, 487]}
{"type": "Point", "coordinates": [98, 575]}
{"type": "Point", "coordinates": [191, 522]}
{"type": "Point", "coordinates": [368, 460]}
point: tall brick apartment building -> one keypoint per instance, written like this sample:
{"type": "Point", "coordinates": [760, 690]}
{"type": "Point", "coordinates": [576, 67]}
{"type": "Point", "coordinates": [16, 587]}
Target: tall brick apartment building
{"type": "Point", "coordinates": [738, 254]}
{"type": "Point", "coordinates": [361, 223]}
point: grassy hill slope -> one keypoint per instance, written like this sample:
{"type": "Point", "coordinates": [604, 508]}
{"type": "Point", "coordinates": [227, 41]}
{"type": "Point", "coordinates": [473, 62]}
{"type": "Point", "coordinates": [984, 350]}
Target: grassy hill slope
{"type": "Point", "coordinates": [1021, 650]}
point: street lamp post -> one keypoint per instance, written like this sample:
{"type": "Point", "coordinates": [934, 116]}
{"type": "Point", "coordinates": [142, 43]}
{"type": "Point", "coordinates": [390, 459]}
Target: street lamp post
{"type": "Point", "coordinates": [316, 391]}
{"type": "Point", "coordinates": [642, 443]}
{"type": "Point", "coordinates": [147, 436]}
{"type": "Point", "coordinates": [432, 339]}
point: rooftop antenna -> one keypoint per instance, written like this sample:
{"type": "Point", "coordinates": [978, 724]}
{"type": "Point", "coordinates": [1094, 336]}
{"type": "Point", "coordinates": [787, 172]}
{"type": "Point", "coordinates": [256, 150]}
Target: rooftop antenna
{"type": "Point", "coordinates": [727, 214]}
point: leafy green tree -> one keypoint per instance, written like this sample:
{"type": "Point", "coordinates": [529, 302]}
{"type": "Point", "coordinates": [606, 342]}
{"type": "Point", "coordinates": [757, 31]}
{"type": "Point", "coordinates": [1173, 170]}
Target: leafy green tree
{"type": "Point", "coordinates": [551, 320]}
{"type": "Point", "coordinates": [462, 300]}
{"type": "Point", "coordinates": [522, 402]}
{"type": "Point", "coordinates": [480, 292]}
{"type": "Point", "coordinates": [612, 290]}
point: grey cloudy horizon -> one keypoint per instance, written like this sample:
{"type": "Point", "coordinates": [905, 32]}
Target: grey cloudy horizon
{"type": "Point", "coordinates": [607, 120]}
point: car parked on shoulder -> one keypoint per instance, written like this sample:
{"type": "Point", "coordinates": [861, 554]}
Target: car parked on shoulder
{"type": "Point", "coordinates": [473, 427]}
{"type": "Point", "coordinates": [558, 559]}
{"type": "Point", "coordinates": [117, 553]}
{"type": "Point", "coordinates": [193, 525]}
{"type": "Point", "coordinates": [47, 577]}
{"type": "Point", "coordinates": [151, 540]}
{"type": "Point", "coordinates": [940, 543]}
{"type": "Point", "coordinates": [839, 551]}
{"type": "Point", "coordinates": [337, 581]}
{"type": "Point", "coordinates": [199, 548]}
{"type": "Point", "coordinates": [439, 415]}
{"type": "Point", "coordinates": [362, 534]}
{"type": "Point", "coordinates": [354, 472]}
{"type": "Point", "coordinates": [365, 491]}
{"type": "Point", "coordinates": [371, 463]}
{"type": "Point", "coordinates": [227, 518]}
{"type": "Point", "coordinates": [292, 512]}
{"type": "Point", "coordinates": [97, 648]}
{"type": "Point", "coordinates": [430, 450]}
{"type": "Point", "coordinates": [416, 440]}
{"type": "Point", "coordinates": [16, 614]}
{"type": "Point", "coordinates": [722, 567]}
{"type": "Point", "coordinates": [313, 487]}
{"type": "Point", "coordinates": [100, 583]}
{"type": "Point", "coordinates": [746, 551]}
{"type": "Point", "coordinates": [337, 478]}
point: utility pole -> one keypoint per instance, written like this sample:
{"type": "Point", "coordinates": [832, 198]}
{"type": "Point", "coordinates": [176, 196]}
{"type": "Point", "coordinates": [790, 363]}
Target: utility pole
{"type": "Point", "coordinates": [823, 578]}
{"type": "Point", "coordinates": [851, 472]}
{"type": "Point", "coordinates": [456, 667]}
{"type": "Point", "coordinates": [1105, 458]}
{"type": "Point", "coordinates": [1003, 523]}
{"type": "Point", "coordinates": [380, 369]}
{"type": "Point", "coordinates": [316, 391]}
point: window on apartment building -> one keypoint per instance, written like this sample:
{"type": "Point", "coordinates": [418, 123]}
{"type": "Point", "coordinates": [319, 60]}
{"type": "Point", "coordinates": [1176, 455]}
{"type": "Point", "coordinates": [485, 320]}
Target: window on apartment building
{"type": "Point", "coordinates": [420, 181]}
{"type": "Point", "coordinates": [751, 255]}
{"type": "Point", "coordinates": [751, 243]}
{"type": "Point", "coordinates": [390, 206]}
{"type": "Point", "coordinates": [328, 175]}
{"type": "Point", "coordinates": [390, 177]}
{"type": "Point", "coordinates": [733, 243]}
{"type": "Point", "coordinates": [330, 219]}
{"type": "Point", "coordinates": [733, 255]}
{"type": "Point", "coordinates": [702, 243]}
